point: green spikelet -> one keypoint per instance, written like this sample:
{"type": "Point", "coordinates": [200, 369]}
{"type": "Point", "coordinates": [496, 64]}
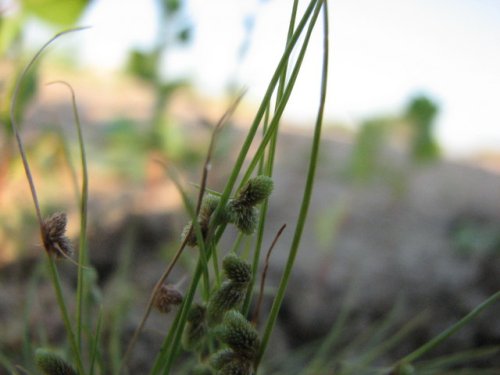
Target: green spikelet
{"type": "Point", "coordinates": [208, 206]}
{"type": "Point", "coordinates": [222, 358]}
{"type": "Point", "coordinates": [228, 362]}
{"type": "Point", "coordinates": [236, 367]}
{"type": "Point", "coordinates": [239, 334]}
{"type": "Point", "coordinates": [191, 241]}
{"type": "Point", "coordinates": [244, 217]}
{"type": "Point", "coordinates": [229, 296]}
{"type": "Point", "coordinates": [236, 269]}
{"type": "Point", "coordinates": [255, 191]}
{"type": "Point", "coordinates": [195, 330]}
{"type": "Point", "coordinates": [52, 364]}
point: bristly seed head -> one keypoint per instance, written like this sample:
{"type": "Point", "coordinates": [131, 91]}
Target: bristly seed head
{"type": "Point", "coordinates": [239, 334]}
{"type": "Point", "coordinates": [166, 297]}
{"type": "Point", "coordinates": [54, 239]}
{"type": "Point", "coordinates": [208, 206]}
{"type": "Point", "coordinates": [255, 191]}
{"type": "Point", "coordinates": [52, 364]}
{"type": "Point", "coordinates": [243, 217]}
{"type": "Point", "coordinates": [236, 269]}
{"type": "Point", "coordinates": [195, 330]}
{"type": "Point", "coordinates": [229, 296]}
{"type": "Point", "coordinates": [227, 362]}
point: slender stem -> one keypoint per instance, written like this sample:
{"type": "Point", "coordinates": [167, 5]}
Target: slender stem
{"type": "Point", "coordinates": [149, 305]}
{"type": "Point", "coordinates": [308, 188]}
{"type": "Point", "coordinates": [95, 342]}
{"type": "Point", "coordinates": [195, 227]}
{"type": "Point", "coordinates": [450, 331]}
{"type": "Point", "coordinates": [262, 109]}
{"type": "Point", "coordinates": [82, 254]}
{"type": "Point", "coordinates": [64, 312]}
{"type": "Point", "coordinates": [13, 122]}
{"type": "Point", "coordinates": [255, 318]}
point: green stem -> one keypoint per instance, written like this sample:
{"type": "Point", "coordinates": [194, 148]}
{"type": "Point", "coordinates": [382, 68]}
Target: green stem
{"type": "Point", "coordinates": [450, 331]}
{"type": "Point", "coordinates": [308, 188]}
{"type": "Point", "coordinates": [82, 254]}
{"type": "Point", "coordinates": [64, 312]}
{"type": "Point", "coordinates": [262, 109]}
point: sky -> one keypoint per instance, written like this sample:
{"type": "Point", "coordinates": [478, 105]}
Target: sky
{"type": "Point", "coordinates": [382, 53]}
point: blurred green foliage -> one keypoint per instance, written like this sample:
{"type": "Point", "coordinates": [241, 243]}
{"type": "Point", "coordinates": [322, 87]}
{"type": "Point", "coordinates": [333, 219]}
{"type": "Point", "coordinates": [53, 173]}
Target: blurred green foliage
{"type": "Point", "coordinates": [421, 113]}
{"type": "Point", "coordinates": [174, 31]}
{"type": "Point", "coordinates": [413, 129]}
{"type": "Point", "coordinates": [56, 12]}
{"type": "Point", "coordinates": [475, 235]}
{"type": "Point", "coordinates": [364, 162]}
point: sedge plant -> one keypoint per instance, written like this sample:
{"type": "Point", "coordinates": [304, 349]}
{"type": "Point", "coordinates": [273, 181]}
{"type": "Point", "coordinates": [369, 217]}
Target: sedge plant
{"type": "Point", "coordinates": [212, 318]}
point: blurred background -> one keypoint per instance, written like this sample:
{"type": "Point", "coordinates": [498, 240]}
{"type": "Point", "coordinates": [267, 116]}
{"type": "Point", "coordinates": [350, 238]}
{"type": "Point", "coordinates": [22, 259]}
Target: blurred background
{"type": "Point", "coordinates": [406, 214]}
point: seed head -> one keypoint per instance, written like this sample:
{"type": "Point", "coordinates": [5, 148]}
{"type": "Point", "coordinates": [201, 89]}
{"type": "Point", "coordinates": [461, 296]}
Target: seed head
{"type": "Point", "coordinates": [255, 191]}
{"type": "Point", "coordinates": [194, 333]}
{"type": "Point", "coordinates": [54, 239]}
{"type": "Point", "coordinates": [236, 367]}
{"type": "Point", "coordinates": [228, 362]}
{"type": "Point", "coordinates": [236, 269]}
{"type": "Point", "coordinates": [52, 364]}
{"type": "Point", "coordinates": [207, 208]}
{"type": "Point", "coordinates": [244, 217]}
{"type": "Point", "coordinates": [165, 297]}
{"type": "Point", "coordinates": [239, 334]}
{"type": "Point", "coordinates": [229, 296]}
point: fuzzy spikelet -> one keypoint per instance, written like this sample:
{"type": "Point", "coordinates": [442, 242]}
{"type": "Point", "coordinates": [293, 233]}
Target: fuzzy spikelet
{"type": "Point", "coordinates": [229, 296]}
{"type": "Point", "coordinates": [239, 334]}
{"type": "Point", "coordinates": [244, 217]}
{"type": "Point", "coordinates": [54, 239]}
{"type": "Point", "coordinates": [227, 362]}
{"type": "Point", "coordinates": [208, 206]}
{"type": "Point", "coordinates": [51, 364]}
{"type": "Point", "coordinates": [236, 269]}
{"type": "Point", "coordinates": [165, 297]}
{"type": "Point", "coordinates": [255, 191]}
{"type": "Point", "coordinates": [222, 358]}
{"type": "Point", "coordinates": [236, 367]}
{"type": "Point", "coordinates": [195, 330]}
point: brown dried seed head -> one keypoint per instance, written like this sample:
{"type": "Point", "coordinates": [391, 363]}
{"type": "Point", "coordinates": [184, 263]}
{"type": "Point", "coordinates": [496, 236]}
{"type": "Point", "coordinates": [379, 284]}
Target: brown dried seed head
{"type": "Point", "coordinates": [54, 239]}
{"type": "Point", "coordinates": [166, 297]}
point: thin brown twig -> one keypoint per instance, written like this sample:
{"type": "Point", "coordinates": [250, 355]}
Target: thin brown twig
{"type": "Point", "coordinates": [256, 312]}
{"type": "Point", "coordinates": [166, 273]}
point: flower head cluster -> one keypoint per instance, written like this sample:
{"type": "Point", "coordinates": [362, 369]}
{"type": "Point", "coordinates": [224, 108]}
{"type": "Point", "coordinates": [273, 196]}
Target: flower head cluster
{"type": "Point", "coordinates": [196, 329]}
{"type": "Point", "coordinates": [241, 210]}
{"type": "Point", "coordinates": [232, 291]}
{"type": "Point", "coordinates": [243, 342]}
{"type": "Point", "coordinates": [52, 364]}
{"type": "Point", "coordinates": [166, 297]}
{"type": "Point", "coordinates": [208, 206]}
{"type": "Point", "coordinates": [54, 239]}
